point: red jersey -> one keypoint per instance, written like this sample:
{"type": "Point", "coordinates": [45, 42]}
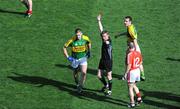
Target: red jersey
{"type": "Point", "coordinates": [135, 59]}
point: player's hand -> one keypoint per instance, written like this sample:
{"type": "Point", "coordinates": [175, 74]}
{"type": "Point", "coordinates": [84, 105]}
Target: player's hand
{"type": "Point", "coordinates": [71, 59]}
{"type": "Point", "coordinates": [99, 17]}
{"type": "Point", "coordinates": [124, 77]}
{"type": "Point", "coordinates": [88, 54]}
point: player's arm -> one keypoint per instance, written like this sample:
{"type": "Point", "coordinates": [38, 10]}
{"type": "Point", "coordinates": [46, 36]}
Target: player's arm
{"type": "Point", "coordinates": [65, 52]}
{"type": "Point", "coordinates": [100, 23]}
{"type": "Point", "coordinates": [133, 34]}
{"type": "Point", "coordinates": [88, 46]}
{"type": "Point", "coordinates": [137, 48]}
{"type": "Point", "coordinates": [128, 67]}
{"type": "Point", "coordinates": [71, 59]}
{"type": "Point", "coordinates": [88, 42]}
{"type": "Point", "coordinates": [120, 34]}
{"type": "Point", "coordinates": [65, 47]}
{"type": "Point", "coordinates": [89, 50]}
{"type": "Point", "coordinates": [135, 43]}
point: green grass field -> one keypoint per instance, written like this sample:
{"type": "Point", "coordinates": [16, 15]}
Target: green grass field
{"type": "Point", "coordinates": [35, 75]}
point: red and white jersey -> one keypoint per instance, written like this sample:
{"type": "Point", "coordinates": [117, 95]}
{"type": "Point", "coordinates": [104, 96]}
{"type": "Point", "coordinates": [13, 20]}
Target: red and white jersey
{"type": "Point", "coordinates": [135, 59]}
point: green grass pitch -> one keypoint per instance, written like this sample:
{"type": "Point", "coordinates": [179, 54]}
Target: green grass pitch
{"type": "Point", "coordinates": [35, 75]}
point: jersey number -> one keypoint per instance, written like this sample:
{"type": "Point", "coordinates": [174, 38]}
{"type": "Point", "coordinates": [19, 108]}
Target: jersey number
{"type": "Point", "coordinates": [137, 62]}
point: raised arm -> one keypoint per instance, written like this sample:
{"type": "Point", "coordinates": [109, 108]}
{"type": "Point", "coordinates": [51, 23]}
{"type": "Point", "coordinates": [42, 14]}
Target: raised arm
{"type": "Point", "coordinates": [99, 23]}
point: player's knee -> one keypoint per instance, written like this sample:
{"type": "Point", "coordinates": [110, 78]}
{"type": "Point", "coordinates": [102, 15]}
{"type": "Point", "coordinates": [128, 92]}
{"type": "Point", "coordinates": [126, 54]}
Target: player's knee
{"type": "Point", "coordinates": [99, 76]}
{"type": "Point", "coordinates": [130, 85]}
{"type": "Point", "coordinates": [84, 73]}
{"type": "Point", "coordinates": [109, 76]}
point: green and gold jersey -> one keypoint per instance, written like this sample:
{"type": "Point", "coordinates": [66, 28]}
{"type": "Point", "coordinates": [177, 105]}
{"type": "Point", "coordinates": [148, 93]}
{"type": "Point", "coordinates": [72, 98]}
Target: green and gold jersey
{"type": "Point", "coordinates": [79, 47]}
{"type": "Point", "coordinates": [131, 33]}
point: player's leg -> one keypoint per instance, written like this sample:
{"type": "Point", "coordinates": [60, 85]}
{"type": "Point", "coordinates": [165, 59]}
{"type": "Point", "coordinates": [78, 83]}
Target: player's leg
{"type": "Point", "coordinates": [83, 74]}
{"type": "Point", "coordinates": [109, 77]}
{"type": "Point", "coordinates": [101, 77]}
{"type": "Point", "coordinates": [25, 2]}
{"type": "Point", "coordinates": [30, 5]}
{"type": "Point", "coordinates": [138, 95]}
{"type": "Point", "coordinates": [82, 78]}
{"type": "Point", "coordinates": [136, 74]}
{"type": "Point", "coordinates": [75, 65]}
{"type": "Point", "coordinates": [83, 68]}
{"type": "Point", "coordinates": [131, 79]}
{"type": "Point", "coordinates": [76, 75]}
{"type": "Point", "coordinates": [131, 95]}
{"type": "Point", "coordinates": [29, 11]}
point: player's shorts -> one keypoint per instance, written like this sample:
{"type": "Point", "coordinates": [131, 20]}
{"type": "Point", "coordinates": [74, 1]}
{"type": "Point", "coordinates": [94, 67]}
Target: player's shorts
{"type": "Point", "coordinates": [105, 65]}
{"type": "Point", "coordinates": [77, 62]}
{"type": "Point", "coordinates": [133, 76]}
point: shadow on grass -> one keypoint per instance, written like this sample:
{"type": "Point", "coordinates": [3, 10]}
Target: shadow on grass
{"type": "Point", "coordinates": [89, 70]}
{"type": "Point", "coordinates": [70, 88]}
{"type": "Point", "coordinates": [162, 96]}
{"type": "Point", "coordinates": [172, 59]}
{"type": "Point", "coordinates": [11, 12]}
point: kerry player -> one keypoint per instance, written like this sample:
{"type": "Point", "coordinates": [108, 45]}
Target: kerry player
{"type": "Point", "coordinates": [80, 46]}
{"type": "Point", "coordinates": [132, 37]}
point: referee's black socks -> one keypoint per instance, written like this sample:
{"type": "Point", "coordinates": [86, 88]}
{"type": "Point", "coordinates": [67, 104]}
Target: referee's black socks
{"type": "Point", "coordinates": [103, 80]}
{"type": "Point", "coordinates": [110, 84]}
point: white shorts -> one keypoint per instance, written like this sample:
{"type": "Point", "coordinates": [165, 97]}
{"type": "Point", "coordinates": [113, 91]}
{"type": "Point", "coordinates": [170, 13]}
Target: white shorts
{"type": "Point", "coordinates": [133, 76]}
{"type": "Point", "coordinates": [77, 62]}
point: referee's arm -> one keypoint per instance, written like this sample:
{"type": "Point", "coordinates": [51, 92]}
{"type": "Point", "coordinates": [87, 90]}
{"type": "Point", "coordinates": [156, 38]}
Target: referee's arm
{"type": "Point", "coordinates": [99, 23]}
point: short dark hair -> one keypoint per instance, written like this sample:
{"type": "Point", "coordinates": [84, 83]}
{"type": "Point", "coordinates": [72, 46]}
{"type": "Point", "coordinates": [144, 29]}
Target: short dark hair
{"type": "Point", "coordinates": [77, 30]}
{"type": "Point", "coordinates": [103, 32]}
{"type": "Point", "coordinates": [128, 17]}
{"type": "Point", "coordinates": [131, 45]}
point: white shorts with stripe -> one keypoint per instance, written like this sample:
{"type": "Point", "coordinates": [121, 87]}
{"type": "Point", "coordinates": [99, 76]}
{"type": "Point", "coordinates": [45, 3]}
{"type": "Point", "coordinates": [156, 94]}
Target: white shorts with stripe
{"type": "Point", "coordinates": [133, 76]}
{"type": "Point", "coordinates": [77, 62]}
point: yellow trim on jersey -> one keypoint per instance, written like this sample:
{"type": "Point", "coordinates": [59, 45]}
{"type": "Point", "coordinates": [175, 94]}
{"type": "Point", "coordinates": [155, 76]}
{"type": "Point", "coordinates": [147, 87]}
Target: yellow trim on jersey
{"type": "Point", "coordinates": [74, 38]}
{"type": "Point", "coordinates": [86, 38]}
{"type": "Point", "coordinates": [132, 32]}
{"type": "Point", "coordinates": [70, 41]}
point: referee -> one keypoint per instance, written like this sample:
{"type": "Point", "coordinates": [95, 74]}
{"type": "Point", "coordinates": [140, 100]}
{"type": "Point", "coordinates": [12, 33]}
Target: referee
{"type": "Point", "coordinates": [105, 64]}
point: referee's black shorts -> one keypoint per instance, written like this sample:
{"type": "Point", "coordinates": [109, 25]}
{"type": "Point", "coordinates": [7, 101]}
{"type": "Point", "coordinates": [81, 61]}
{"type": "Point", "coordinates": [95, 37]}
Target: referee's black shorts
{"type": "Point", "coordinates": [105, 65]}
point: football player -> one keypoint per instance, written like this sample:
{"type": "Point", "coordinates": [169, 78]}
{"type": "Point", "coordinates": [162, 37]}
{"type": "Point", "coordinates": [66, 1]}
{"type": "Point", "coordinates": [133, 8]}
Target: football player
{"type": "Point", "coordinates": [132, 73]}
{"type": "Point", "coordinates": [80, 45]}
{"type": "Point", "coordinates": [132, 37]}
